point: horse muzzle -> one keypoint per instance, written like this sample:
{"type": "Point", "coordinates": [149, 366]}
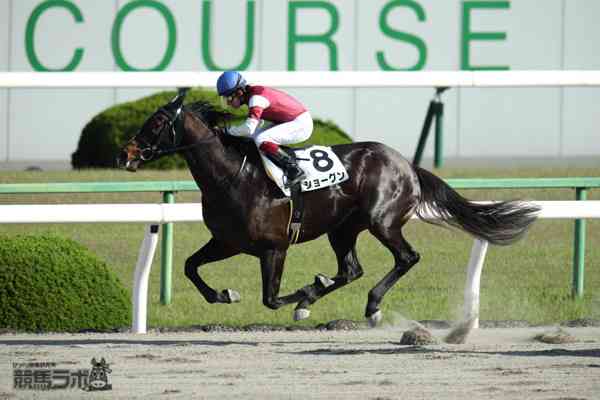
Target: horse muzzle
{"type": "Point", "coordinates": [124, 161]}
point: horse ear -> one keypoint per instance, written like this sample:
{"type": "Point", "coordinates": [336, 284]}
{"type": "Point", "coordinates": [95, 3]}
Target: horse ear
{"type": "Point", "coordinates": [94, 361]}
{"type": "Point", "coordinates": [178, 100]}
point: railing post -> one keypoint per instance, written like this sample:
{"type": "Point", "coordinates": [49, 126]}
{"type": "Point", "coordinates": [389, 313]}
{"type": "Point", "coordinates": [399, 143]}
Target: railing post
{"type": "Point", "coordinates": [473, 283]}
{"type": "Point", "coordinates": [424, 133]}
{"type": "Point", "coordinates": [579, 250]}
{"type": "Point", "coordinates": [140, 280]}
{"type": "Point", "coordinates": [166, 262]}
{"type": "Point", "coordinates": [435, 113]}
{"type": "Point", "coordinates": [438, 158]}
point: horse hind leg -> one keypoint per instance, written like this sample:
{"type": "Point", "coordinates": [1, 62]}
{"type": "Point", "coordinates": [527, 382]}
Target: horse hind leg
{"type": "Point", "coordinates": [343, 241]}
{"type": "Point", "coordinates": [404, 259]}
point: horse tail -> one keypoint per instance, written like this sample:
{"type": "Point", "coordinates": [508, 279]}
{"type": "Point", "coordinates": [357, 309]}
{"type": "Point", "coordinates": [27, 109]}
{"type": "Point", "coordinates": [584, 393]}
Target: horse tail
{"type": "Point", "coordinates": [499, 223]}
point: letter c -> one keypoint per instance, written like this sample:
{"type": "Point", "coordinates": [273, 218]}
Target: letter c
{"type": "Point", "coordinates": [30, 31]}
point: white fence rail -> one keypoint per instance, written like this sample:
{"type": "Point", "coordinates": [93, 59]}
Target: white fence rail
{"type": "Point", "coordinates": [303, 79]}
{"type": "Point", "coordinates": [155, 214]}
{"type": "Point", "coordinates": [84, 213]}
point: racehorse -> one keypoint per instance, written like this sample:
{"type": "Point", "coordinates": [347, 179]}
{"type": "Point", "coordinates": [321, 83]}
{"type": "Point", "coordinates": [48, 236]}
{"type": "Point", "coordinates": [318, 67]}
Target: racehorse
{"type": "Point", "coordinates": [247, 213]}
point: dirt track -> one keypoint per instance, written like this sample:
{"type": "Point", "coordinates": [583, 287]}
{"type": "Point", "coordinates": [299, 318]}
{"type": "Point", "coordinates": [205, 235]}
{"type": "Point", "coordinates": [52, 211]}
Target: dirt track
{"type": "Point", "coordinates": [496, 363]}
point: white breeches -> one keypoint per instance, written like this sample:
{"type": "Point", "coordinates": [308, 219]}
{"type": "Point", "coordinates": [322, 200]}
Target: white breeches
{"type": "Point", "coordinates": [292, 132]}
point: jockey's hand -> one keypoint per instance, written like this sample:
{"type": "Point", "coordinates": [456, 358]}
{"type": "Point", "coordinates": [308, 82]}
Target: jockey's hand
{"type": "Point", "coordinates": [245, 129]}
{"type": "Point", "coordinates": [220, 130]}
{"type": "Point", "coordinates": [228, 131]}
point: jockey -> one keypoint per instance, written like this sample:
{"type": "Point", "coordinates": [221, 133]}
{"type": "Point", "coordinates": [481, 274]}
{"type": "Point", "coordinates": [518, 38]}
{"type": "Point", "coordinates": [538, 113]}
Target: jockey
{"type": "Point", "coordinates": [292, 123]}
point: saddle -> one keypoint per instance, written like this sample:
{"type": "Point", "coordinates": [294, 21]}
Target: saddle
{"type": "Point", "coordinates": [323, 168]}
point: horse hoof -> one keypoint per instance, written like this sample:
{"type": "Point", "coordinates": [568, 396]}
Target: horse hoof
{"type": "Point", "coordinates": [375, 318]}
{"type": "Point", "coordinates": [323, 280]}
{"type": "Point", "coordinates": [231, 296]}
{"type": "Point", "coordinates": [301, 313]}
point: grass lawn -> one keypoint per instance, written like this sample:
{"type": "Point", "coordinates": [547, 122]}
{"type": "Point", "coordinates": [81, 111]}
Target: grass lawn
{"type": "Point", "coordinates": [530, 280]}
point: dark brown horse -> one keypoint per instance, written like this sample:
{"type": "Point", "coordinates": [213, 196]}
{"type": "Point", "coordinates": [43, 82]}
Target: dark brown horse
{"type": "Point", "coordinates": [247, 213]}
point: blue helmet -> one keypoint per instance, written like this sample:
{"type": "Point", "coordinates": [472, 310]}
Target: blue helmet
{"type": "Point", "coordinates": [229, 82]}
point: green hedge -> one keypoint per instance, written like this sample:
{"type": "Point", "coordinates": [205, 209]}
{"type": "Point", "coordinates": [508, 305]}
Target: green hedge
{"type": "Point", "coordinates": [103, 137]}
{"type": "Point", "coordinates": [48, 283]}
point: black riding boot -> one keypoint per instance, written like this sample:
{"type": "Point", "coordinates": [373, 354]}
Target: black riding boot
{"type": "Point", "coordinates": [292, 171]}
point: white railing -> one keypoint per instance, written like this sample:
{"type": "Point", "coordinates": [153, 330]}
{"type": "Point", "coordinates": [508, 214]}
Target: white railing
{"type": "Point", "coordinates": [303, 79]}
{"type": "Point", "coordinates": [155, 214]}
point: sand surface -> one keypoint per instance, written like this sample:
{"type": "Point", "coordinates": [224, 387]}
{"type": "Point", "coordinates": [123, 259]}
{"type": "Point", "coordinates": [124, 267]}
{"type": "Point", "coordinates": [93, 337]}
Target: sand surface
{"type": "Point", "coordinates": [495, 363]}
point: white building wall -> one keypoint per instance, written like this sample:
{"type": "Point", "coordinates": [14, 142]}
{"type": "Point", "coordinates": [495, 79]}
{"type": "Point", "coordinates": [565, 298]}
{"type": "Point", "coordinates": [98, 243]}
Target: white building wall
{"type": "Point", "coordinates": [580, 117]}
{"type": "Point", "coordinates": [45, 124]}
{"type": "Point", "coordinates": [4, 93]}
{"type": "Point", "coordinates": [479, 123]}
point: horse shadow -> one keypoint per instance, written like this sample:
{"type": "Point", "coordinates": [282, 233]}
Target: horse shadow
{"type": "Point", "coordinates": [403, 349]}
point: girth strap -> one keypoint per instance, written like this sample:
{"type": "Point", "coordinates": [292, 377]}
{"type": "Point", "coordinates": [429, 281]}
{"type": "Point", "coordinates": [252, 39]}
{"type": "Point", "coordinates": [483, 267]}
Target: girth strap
{"type": "Point", "coordinates": [296, 213]}
{"type": "Point", "coordinates": [296, 209]}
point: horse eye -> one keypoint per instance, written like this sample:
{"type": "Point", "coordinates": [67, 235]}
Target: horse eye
{"type": "Point", "coordinates": [157, 125]}
{"type": "Point", "coordinates": [158, 122]}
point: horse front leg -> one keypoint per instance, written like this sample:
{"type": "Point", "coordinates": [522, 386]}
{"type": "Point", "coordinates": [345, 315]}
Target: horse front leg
{"type": "Point", "coordinates": [271, 266]}
{"type": "Point", "coordinates": [214, 250]}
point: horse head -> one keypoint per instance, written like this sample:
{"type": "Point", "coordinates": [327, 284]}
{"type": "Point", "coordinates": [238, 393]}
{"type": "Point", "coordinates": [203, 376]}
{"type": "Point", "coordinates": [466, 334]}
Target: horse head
{"type": "Point", "coordinates": [164, 133]}
{"type": "Point", "coordinates": [161, 131]}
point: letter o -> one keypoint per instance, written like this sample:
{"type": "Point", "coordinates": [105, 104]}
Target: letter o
{"type": "Point", "coordinates": [118, 25]}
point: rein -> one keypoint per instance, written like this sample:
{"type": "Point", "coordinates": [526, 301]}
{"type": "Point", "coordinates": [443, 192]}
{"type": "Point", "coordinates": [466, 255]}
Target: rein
{"type": "Point", "coordinates": [173, 123]}
{"type": "Point", "coordinates": [173, 126]}
{"type": "Point", "coordinates": [165, 152]}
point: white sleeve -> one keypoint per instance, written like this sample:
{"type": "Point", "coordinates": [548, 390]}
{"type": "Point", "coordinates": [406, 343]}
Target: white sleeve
{"type": "Point", "coordinates": [258, 101]}
{"type": "Point", "coordinates": [246, 129]}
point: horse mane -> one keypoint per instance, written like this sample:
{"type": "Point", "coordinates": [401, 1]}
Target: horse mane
{"type": "Point", "coordinates": [218, 120]}
{"type": "Point", "coordinates": [209, 114]}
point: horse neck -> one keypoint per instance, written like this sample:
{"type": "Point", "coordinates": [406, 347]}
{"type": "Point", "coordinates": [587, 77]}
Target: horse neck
{"type": "Point", "coordinates": [210, 163]}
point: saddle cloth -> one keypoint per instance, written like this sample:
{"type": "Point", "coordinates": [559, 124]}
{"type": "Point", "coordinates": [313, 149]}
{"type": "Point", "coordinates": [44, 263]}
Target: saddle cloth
{"type": "Point", "coordinates": [322, 166]}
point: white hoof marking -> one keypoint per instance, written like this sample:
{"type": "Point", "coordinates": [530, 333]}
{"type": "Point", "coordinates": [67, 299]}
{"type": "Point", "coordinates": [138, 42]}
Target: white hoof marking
{"type": "Point", "coordinates": [325, 281]}
{"type": "Point", "coordinates": [301, 313]}
{"type": "Point", "coordinates": [234, 296]}
{"type": "Point", "coordinates": [375, 319]}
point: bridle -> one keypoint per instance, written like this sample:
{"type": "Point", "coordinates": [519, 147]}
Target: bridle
{"type": "Point", "coordinates": [172, 125]}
